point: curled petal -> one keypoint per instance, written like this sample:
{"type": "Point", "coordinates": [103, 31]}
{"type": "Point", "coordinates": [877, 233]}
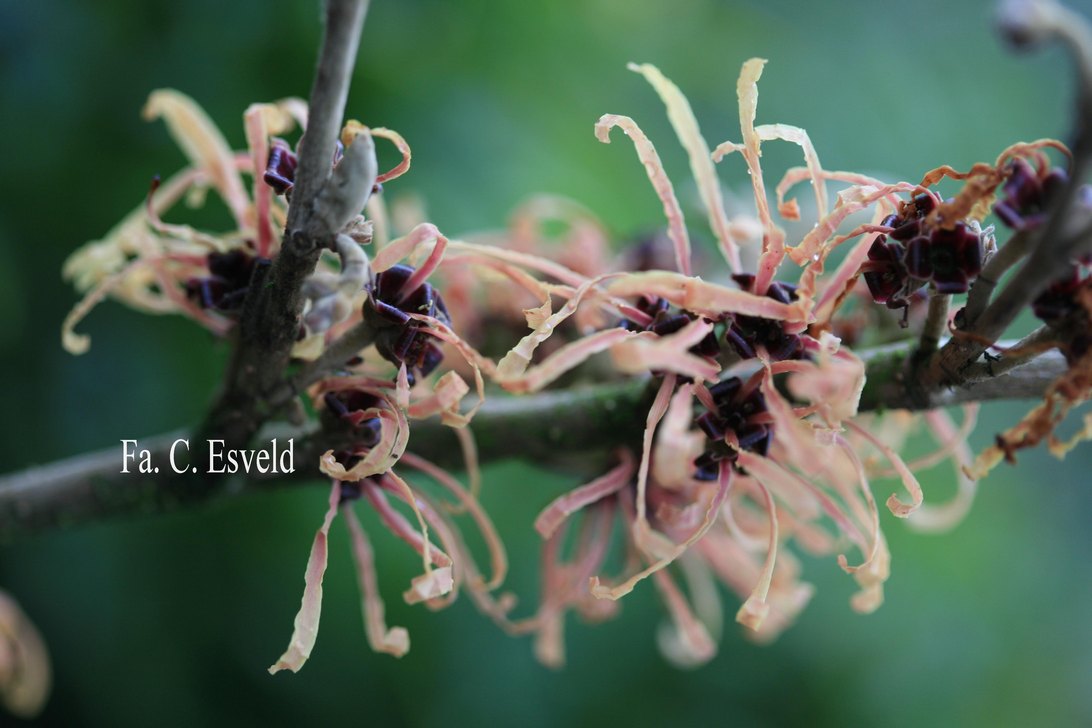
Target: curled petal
{"type": "Point", "coordinates": [548, 624]}
{"type": "Point", "coordinates": [430, 585]}
{"type": "Point", "coordinates": [814, 245]}
{"type": "Point", "coordinates": [513, 365]}
{"type": "Point", "coordinates": [394, 434]}
{"type": "Point", "coordinates": [954, 447]}
{"type": "Point", "coordinates": [553, 515]}
{"type": "Point", "coordinates": [79, 343]}
{"type": "Point", "coordinates": [783, 481]}
{"type": "Point", "coordinates": [833, 383]}
{"type": "Point", "coordinates": [701, 297]}
{"type": "Point", "coordinates": [261, 121]}
{"type": "Point", "coordinates": [203, 143]}
{"type": "Point", "coordinates": [646, 152]}
{"type": "Point", "coordinates": [874, 571]}
{"type": "Point", "coordinates": [403, 490]}
{"type": "Point", "coordinates": [796, 175]}
{"type": "Point", "coordinates": [515, 257]}
{"type": "Point", "coordinates": [26, 676]}
{"type": "Point", "coordinates": [794, 435]}
{"type": "Point", "coordinates": [444, 400]}
{"type": "Point", "coordinates": [686, 128]}
{"type": "Point", "coordinates": [647, 352]}
{"type": "Point", "coordinates": [754, 610]}
{"type": "Point", "coordinates": [394, 641]}
{"type": "Point", "coordinates": [676, 443]}
{"type": "Point", "coordinates": [477, 362]}
{"type": "Point", "coordinates": [469, 446]}
{"type": "Point", "coordinates": [601, 591]}
{"type": "Point", "coordinates": [470, 503]}
{"type": "Point", "coordinates": [798, 136]}
{"type": "Point", "coordinates": [648, 541]}
{"type": "Point", "coordinates": [420, 237]}
{"type": "Point", "coordinates": [773, 238]}
{"type": "Point", "coordinates": [565, 359]}
{"type": "Point", "coordinates": [686, 642]}
{"type": "Point", "coordinates": [401, 528]}
{"type": "Point", "coordinates": [838, 285]}
{"type": "Point", "coordinates": [736, 567]}
{"type": "Point", "coordinates": [305, 627]}
{"type": "Point", "coordinates": [900, 509]}
{"type": "Point", "coordinates": [389, 134]}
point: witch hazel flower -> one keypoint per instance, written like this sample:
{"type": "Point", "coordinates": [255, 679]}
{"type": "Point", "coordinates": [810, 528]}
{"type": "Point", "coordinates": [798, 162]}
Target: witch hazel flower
{"type": "Point", "coordinates": [374, 415]}
{"type": "Point", "coordinates": [730, 468]}
{"type": "Point", "coordinates": [1028, 192]}
{"type": "Point", "coordinates": [373, 396]}
{"type": "Point", "coordinates": [919, 250]}
{"type": "Point", "coordinates": [446, 564]}
{"type": "Point", "coordinates": [395, 294]}
{"type": "Point", "coordinates": [414, 334]}
{"type": "Point", "coordinates": [929, 240]}
{"type": "Point", "coordinates": [162, 267]}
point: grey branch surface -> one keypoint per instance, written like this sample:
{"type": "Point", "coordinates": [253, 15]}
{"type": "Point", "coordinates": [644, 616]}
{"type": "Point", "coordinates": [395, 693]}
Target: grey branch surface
{"type": "Point", "coordinates": [574, 429]}
{"type": "Point", "coordinates": [270, 318]}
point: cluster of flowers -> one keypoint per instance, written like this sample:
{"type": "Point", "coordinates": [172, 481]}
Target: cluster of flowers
{"type": "Point", "coordinates": [1031, 186]}
{"type": "Point", "coordinates": [753, 440]}
{"type": "Point", "coordinates": [920, 250]}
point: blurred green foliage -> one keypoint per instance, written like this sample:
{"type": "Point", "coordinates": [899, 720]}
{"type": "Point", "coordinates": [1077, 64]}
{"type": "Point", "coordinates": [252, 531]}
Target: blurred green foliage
{"type": "Point", "coordinates": [173, 620]}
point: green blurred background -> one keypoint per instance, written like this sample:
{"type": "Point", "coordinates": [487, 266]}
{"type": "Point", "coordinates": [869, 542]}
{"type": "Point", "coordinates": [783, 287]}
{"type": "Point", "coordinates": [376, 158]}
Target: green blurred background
{"type": "Point", "coordinates": [173, 620]}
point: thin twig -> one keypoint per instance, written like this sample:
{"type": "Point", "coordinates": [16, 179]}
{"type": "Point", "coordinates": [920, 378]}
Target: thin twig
{"type": "Point", "coordinates": [936, 323]}
{"type": "Point", "coordinates": [996, 267]}
{"type": "Point", "coordinates": [1025, 350]}
{"type": "Point", "coordinates": [341, 350]}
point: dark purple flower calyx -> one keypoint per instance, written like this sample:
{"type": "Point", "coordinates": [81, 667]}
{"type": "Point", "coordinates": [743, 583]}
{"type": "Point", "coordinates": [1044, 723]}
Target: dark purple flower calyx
{"type": "Point", "coordinates": [348, 491]}
{"type": "Point", "coordinates": [225, 288]}
{"type": "Point", "coordinates": [349, 406]}
{"type": "Point", "coordinates": [665, 322]}
{"type": "Point", "coordinates": [745, 334]}
{"type": "Point", "coordinates": [950, 258]}
{"type": "Point", "coordinates": [919, 250]}
{"type": "Point", "coordinates": [1060, 306]}
{"type": "Point", "coordinates": [399, 338]}
{"type": "Point", "coordinates": [280, 169]}
{"type": "Point", "coordinates": [741, 417]}
{"type": "Point", "coordinates": [1028, 193]}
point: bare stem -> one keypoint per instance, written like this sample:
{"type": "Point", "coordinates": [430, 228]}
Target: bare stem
{"type": "Point", "coordinates": [1027, 349]}
{"type": "Point", "coordinates": [329, 92]}
{"type": "Point", "coordinates": [270, 318]}
{"type": "Point", "coordinates": [997, 266]}
{"type": "Point", "coordinates": [936, 323]}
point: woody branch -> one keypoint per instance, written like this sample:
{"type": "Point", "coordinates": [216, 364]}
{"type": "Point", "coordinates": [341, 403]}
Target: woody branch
{"type": "Point", "coordinates": [322, 203]}
{"type": "Point", "coordinates": [564, 428]}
